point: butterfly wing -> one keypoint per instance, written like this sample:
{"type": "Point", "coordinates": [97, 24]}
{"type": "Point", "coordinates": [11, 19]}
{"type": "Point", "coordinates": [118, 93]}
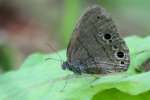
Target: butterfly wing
{"type": "Point", "coordinates": [96, 44]}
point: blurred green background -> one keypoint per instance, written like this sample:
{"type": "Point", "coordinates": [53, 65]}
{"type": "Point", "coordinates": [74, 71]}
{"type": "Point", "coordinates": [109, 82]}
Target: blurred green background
{"type": "Point", "coordinates": [27, 26]}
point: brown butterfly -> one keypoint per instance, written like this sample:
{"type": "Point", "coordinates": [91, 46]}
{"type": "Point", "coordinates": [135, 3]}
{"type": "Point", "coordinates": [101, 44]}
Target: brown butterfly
{"type": "Point", "coordinates": [96, 46]}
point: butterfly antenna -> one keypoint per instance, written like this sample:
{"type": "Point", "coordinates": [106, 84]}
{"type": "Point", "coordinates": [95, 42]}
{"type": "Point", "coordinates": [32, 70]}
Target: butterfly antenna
{"type": "Point", "coordinates": [52, 59]}
{"type": "Point", "coordinates": [54, 49]}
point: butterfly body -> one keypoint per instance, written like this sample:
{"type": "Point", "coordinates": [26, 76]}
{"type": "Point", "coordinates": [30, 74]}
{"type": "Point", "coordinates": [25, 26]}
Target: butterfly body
{"type": "Point", "coordinates": [96, 46]}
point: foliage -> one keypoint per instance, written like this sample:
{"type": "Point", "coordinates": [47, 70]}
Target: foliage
{"type": "Point", "coordinates": [41, 78]}
{"type": "Point", "coordinates": [6, 61]}
{"type": "Point", "coordinates": [71, 12]}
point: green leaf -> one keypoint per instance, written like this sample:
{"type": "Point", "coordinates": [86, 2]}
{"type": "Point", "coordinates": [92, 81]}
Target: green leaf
{"type": "Point", "coordinates": [70, 15]}
{"type": "Point", "coordinates": [41, 78]}
{"type": "Point", "coordinates": [6, 58]}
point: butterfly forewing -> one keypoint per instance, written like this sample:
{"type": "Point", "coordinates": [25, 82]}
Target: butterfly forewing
{"type": "Point", "coordinates": [96, 46]}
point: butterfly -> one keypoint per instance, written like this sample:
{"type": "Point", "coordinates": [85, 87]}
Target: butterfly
{"type": "Point", "coordinates": [96, 47]}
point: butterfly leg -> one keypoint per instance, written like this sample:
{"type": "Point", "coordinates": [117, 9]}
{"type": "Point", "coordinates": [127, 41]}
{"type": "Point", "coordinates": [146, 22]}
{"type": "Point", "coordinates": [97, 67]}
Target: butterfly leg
{"type": "Point", "coordinates": [66, 79]}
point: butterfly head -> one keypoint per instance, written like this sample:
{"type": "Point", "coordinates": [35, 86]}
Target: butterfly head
{"type": "Point", "coordinates": [65, 65]}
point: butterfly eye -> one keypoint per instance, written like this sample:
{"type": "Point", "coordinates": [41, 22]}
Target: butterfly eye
{"type": "Point", "coordinates": [107, 36]}
{"type": "Point", "coordinates": [120, 54]}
